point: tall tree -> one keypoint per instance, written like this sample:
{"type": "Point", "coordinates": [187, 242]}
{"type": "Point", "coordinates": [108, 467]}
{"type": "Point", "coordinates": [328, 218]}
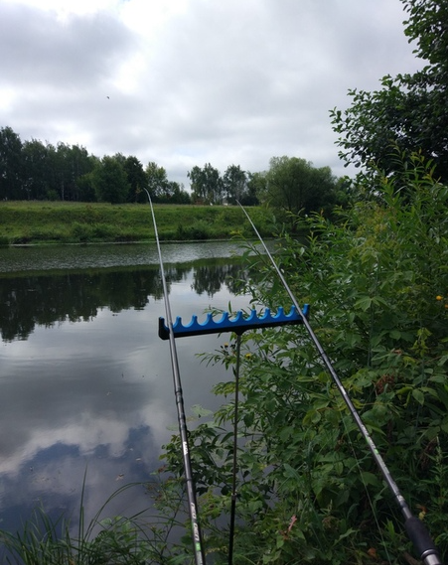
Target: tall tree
{"type": "Point", "coordinates": [137, 179]}
{"type": "Point", "coordinates": [293, 185]}
{"type": "Point", "coordinates": [110, 181]}
{"type": "Point", "coordinates": [178, 194]}
{"type": "Point", "coordinates": [67, 164]}
{"type": "Point", "coordinates": [174, 193]}
{"type": "Point", "coordinates": [234, 183]}
{"type": "Point", "coordinates": [157, 181]}
{"type": "Point", "coordinates": [86, 184]}
{"type": "Point", "coordinates": [206, 184]}
{"type": "Point", "coordinates": [10, 164]}
{"type": "Point", "coordinates": [409, 112]}
{"type": "Point", "coordinates": [35, 167]}
{"type": "Point", "coordinates": [256, 188]}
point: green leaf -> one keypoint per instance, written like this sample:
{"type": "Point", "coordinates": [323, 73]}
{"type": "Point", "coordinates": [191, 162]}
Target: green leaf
{"type": "Point", "coordinates": [369, 478]}
{"type": "Point", "coordinates": [363, 303]}
{"type": "Point", "coordinates": [419, 396]}
{"type": "Point", "coordinates": [272, 556]}
{"type": "Point", "coordinates": [248, 419]}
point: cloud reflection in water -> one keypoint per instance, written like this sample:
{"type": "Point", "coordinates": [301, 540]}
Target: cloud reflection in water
{"type": "Point", "coordinates": [94, 391]}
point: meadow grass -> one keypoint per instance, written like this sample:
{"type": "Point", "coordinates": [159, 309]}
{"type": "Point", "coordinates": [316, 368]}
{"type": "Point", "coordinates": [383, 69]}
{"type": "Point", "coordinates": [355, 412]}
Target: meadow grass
{"type": "Point", "coordinates": [79, 222]}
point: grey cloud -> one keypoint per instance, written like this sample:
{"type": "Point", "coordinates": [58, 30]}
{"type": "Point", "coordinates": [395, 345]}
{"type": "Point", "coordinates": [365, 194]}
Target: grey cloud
{"type": "Point", "coordinates": [224, 82]}
{"type": "Point", "coordinates": [255, 84]}
{"type": "Point", "coordinates": [38, 49]}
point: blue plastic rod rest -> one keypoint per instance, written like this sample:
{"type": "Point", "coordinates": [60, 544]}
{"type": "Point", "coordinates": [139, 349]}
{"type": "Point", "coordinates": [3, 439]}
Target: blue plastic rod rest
{"type": "Point", "coordinates": [237, 323]}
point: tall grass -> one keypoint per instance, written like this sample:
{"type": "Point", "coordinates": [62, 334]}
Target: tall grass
{"type": "Point", "coordinates": [71, 222]}
{"type": "Point", "coordinates": [139, 539]}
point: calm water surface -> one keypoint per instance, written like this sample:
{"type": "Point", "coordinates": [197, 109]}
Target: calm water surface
{"type": "Point", "coordinates": [86, 383]}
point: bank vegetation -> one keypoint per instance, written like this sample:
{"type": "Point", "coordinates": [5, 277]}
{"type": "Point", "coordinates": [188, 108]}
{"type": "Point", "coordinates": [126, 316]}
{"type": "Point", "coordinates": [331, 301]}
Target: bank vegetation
{"type": "Point", "coordinates": [36, 222]}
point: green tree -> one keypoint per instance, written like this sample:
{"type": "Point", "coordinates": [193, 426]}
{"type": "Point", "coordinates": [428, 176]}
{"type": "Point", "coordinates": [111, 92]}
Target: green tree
{"type": "Point", "coordinates": [174, 193]}
{"type": "Point", "coordinates": [137, 179]}
{"type": "Point", "coordinates": [234, 183]}
{"type": "Point", "coordinates": [82, 164]}
{"type": "Point", "coordinates": [35, 167]}
{"type": "Point", "coordinates": [409, 112]}
{"type": "Point", "coordinates": [110, 181]}
{"type": "Point", "coordinates": [157, 181]}
{"type": "Point", "coordinates": [179, 194]}
{"type": "Point", "coordinates": [294, 185]}
{"type": "Point", "coordinates": [10, 165]}
{"type": "Point", "coordinates": [256, 189]}
{"type": "Point", "coordinates": [69, 163]}
{"type": "Point", "coordinates": [206, 184]}
{"type": "Point", "coordinates": [86, 186]}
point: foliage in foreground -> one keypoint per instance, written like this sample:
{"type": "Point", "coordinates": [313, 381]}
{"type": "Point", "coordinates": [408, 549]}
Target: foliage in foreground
{"type": "Point", "coordinates": [137, 540]}
{"type": "Point", "coordinates": [308, 489]}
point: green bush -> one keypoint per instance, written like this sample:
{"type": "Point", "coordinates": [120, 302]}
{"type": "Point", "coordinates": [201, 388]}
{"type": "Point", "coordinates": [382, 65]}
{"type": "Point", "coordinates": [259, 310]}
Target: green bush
{"type": "Point", "coordinates": [103, 231]}
{"type": "Point", "coordinates": [198, 231]}
{"type": "Point", "coordinates": [82, 232]}
{"type": "Point", "coordinates": [309, 490]}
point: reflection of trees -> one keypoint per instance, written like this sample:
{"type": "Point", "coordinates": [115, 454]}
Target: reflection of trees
{"type": "Point", "coordinates": [45, 299]}
{"type": "Point", "coordinates": [210, 278]}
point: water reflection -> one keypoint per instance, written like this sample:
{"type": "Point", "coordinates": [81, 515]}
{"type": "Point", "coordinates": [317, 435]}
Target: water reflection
{"type": "Point", "coordinates": [86, 382]}
{"type": "Point", "coordinates": [41, 258]}
{"type": "Point", "coordinates": [28, 301]}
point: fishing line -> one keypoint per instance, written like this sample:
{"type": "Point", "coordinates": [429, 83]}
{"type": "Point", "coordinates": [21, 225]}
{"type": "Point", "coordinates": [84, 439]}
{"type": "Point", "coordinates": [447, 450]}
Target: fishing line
{"type": "Point", "coordinates": [183, 431]}
{"type": "Point", "coordinates": [415, 529]}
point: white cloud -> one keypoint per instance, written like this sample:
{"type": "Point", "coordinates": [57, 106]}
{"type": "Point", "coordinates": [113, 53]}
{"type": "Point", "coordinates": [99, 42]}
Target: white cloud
{"type": "Point", "coordinates": [194, 81]}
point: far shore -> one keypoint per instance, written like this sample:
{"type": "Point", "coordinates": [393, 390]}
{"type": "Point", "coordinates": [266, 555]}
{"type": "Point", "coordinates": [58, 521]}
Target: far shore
{"type": "Point", "coordinates": [44, 223]}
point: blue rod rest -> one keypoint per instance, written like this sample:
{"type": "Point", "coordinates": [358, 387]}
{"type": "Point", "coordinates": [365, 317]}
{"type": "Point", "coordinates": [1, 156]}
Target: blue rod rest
{"type": "Point", "coordinates": [237, 323]}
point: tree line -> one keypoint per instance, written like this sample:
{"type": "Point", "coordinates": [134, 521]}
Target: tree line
{"type": "Point", "coordinates": [32, 170]}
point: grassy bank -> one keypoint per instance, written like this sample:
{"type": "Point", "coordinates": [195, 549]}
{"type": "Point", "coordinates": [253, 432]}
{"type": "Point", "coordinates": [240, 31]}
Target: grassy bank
{"type": "Point", "coordinates": [72, 222]}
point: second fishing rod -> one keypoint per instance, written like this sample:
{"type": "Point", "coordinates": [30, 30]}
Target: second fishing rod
{"type": "Point", "coordinates": [415, 529]}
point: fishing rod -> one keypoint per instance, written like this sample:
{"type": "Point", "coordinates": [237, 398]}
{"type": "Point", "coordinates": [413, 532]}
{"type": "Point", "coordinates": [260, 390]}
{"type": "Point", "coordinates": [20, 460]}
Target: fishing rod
{"type": "Point", "coordinates": [415, 528]}
{"type": "Point", "coordinates": [183, 431]}
{"type": "Point", "coordinates": [235, 451]}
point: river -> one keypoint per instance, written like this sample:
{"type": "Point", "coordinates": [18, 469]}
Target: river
{"type": "Point", "coordinates": [86, 383]}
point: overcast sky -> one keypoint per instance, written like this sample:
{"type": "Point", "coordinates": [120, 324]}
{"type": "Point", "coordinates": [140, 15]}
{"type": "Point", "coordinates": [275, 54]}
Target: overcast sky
{"type": "Point", "coordinates": [189, 82]}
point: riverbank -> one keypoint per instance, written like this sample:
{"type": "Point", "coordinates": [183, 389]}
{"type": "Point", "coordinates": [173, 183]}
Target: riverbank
{"type": "Point", "coordinates": [80, 222]}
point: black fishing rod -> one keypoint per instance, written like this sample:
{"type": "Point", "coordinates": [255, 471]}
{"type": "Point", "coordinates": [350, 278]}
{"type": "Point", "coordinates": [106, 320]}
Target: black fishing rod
{"type": "Point", "coordinates": [235, 451]}
{"type": "Point", "coordinates": [415, 529]}
{"type": "Point", "coordinates": [183, 431]}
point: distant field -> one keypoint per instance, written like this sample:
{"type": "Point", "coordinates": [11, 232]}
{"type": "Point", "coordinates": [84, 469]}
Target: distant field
{"type": "Point", "coordinates": [74, 222]}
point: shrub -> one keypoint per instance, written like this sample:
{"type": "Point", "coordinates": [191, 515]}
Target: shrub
{"type": "Point", "coordinates": [199, 231]}
{"type": "Point", "coordinates": [82, 232]}
{"type": "Point", "coordinates": [309, 491]}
